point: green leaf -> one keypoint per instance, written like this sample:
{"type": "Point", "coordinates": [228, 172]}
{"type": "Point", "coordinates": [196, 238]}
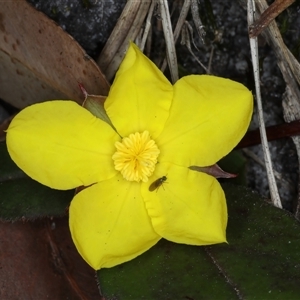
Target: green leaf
{"type": "Point", "coordinates": [166, 271]}
{"type": "Point", "coordinates": [263, 256]}
{"type": "Point", "coordinates": [260, 261]}
{"type": "Point", "coordinates": [23, 198]}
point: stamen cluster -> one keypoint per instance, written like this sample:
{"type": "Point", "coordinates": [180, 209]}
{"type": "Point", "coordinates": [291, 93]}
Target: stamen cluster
{"type": "Point", "coordinates": [136, 156]}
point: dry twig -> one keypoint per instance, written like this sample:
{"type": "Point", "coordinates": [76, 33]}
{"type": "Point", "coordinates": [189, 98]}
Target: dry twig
{"type": "Point", "coordinates": [277, 7]}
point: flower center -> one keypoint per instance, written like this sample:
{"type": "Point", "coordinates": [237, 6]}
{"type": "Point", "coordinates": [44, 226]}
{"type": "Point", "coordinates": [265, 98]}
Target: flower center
{"type": "Point", "coordinates": [136, 156]}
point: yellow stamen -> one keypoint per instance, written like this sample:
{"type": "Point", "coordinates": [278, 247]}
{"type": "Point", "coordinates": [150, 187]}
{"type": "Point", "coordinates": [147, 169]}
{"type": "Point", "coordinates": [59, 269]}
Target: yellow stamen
{"type": "Point", "coordinates": [136, 156]}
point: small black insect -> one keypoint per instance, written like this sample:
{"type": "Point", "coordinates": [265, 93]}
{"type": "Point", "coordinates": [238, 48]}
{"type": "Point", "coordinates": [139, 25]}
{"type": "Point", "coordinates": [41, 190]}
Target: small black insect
{"type": "Point", "coordinates": [157, 183]}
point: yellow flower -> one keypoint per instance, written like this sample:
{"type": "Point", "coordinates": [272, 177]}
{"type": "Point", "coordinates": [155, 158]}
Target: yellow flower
{"type": "Point", "coordinates": [140, 187]}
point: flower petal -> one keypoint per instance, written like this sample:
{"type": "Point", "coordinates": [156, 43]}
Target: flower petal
{"type": "Point", "coordinates": [62, 145]}
{"type": "Point", "coordinates": [189, 208]}
{"type": "Point", "coordinates": [140, 96]}
{"type": "Point", "coordinates": [109, 223]}
{"type": "Point", "coordinates": [208, 117]}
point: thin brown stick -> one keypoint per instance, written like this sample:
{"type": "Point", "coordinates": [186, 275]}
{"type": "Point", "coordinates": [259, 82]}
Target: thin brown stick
{"type": "Point", "coordinates": [276, 8]}
{"type": "Point", "coordinates": [275, 132]}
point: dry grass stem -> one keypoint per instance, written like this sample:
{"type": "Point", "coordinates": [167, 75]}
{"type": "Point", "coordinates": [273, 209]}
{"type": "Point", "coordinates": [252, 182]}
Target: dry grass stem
{"type": "Point", "coordinates": [290, 69]}
{"type": "Point", "coordinates": [169, 38]}
{"type": "Point", "coordinates": [182, 17]}
{"type": "Point", "coordinates": [126, 29]}
{"type": "Point", "coordinates": [147, 27]}
{"type": "Point", "coordinates": [186, 37]}
{"type": "Point", "coordinates": [197, 20]}
{"type": "Point", "coordinates": [267, 157]}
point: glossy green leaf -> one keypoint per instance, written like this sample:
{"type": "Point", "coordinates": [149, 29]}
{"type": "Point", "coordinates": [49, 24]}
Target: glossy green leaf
{"type": "Point", "coordinates": [263, 256]}
{"type": "Point", "coordinates": [260, 261]}
{"type": "Point", "coordinates": [166, 271]}
{"type": "Point", "coordinates": [23, 198]}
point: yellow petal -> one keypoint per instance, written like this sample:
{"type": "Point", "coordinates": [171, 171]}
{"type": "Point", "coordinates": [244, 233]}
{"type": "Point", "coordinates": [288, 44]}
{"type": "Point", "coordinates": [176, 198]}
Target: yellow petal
{"type": "Point", "coordinates": [208, 117]}
{"type": "Point", "coordinates": [140, 96]}
{"type": "Point", "coordinates": [188, 208]}
{"type": "Point", "coordinates": [109, 223]}
{"type": "Point", "coordinates": [61, 145]}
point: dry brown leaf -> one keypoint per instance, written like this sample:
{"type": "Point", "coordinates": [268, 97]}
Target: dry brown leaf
{"type": "Point", "coordinates": [39, 262]}
{"type": "Point", "coordinates": [39, 61]}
